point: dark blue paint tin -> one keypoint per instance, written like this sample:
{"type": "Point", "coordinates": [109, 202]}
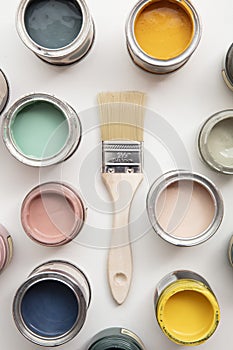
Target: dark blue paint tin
{"type": "Point", "coordinates": [50, 307]}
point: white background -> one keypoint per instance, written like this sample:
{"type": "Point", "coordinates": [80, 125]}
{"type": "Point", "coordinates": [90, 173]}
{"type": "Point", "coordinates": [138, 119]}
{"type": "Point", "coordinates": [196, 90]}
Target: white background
{"type": "Point", "coordinates": [184, 99]}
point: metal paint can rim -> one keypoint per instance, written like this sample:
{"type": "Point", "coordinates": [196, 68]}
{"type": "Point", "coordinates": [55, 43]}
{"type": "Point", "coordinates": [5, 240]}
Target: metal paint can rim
{"type": "Point", "coordinates": [226, 70]}
{"type": "Point", "coordinates": [169, 178]}
{"type": "Point", "coordinates": [6, 248]}
{"type": "Point", "coordinates": [149, 63]}
{"type": "Point", "coordinates": [53, 274]}
{"type": "Point", "coordinates": [72, 119]}
{"type": "Point", "coordinates": [202, 141]}
{"type": "Point", "coordinates": [4, 91]}
{"type": "Point", "coordinates": [68, 54]}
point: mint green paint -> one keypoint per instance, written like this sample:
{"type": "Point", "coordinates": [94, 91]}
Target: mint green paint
{"type": "Point", "coordinates": [39, 130]}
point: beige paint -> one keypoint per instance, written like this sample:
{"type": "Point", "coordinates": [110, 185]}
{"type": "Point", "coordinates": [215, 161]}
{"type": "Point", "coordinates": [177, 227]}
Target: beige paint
{"type": "Point", "coordinates": [185, 209]}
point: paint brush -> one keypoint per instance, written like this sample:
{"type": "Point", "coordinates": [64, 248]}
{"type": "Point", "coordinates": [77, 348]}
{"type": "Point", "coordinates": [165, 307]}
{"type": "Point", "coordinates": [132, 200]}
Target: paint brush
{"type": "Point", "coordinates": [122, 122]}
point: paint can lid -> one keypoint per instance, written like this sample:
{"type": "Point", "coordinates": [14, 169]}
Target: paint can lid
{"type": "Point", "coordinates": [4, 91]}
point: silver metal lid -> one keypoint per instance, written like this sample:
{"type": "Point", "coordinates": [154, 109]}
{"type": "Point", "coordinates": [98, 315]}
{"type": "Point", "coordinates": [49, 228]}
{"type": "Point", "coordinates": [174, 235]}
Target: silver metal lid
{"type": "Point", "coordinates": [4, 91]}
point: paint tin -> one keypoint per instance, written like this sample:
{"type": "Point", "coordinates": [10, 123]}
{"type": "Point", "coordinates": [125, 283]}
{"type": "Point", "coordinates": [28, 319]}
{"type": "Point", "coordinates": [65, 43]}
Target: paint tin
{"type": "Point", "coordinates": [150, 39]}
{"type": "Point", "coordinates": [4, 91]}
{"type": "Point", "coordinates": [230, 251]}
{"type": "Point", "coordinates": [6, 248]}
{"type": "Point", "coordinates": [50, 307]}
{"type": "Point", "coordinates": [59, 32]}
{"type": "Point", "coordinates": [215, 142]}
{"type": "Point", "coordinates": [116, 338]}
{"type": "Point", "coordinates": [52, 214]}
{"type": "Point", "coordinates": [40, 130]}
{"type": "Point", "coordinates": [227, 70]}
{"type": "Point", "coordinates": [184, 208]}
{"type": "Point", "coordinates": [186, 308]}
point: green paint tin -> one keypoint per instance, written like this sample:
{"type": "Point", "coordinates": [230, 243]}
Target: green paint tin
{"type": "Point", "coordinates": [116, 338]}
{"type": "Point", "coordinates": [41, 130]}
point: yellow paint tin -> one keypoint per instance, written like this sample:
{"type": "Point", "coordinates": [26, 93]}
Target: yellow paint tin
{"type": "Point", "coordinates": [186, 308]}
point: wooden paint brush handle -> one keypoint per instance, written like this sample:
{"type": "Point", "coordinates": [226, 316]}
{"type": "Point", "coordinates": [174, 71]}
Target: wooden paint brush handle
{"type": "Point", "coordinates": [122, 188]}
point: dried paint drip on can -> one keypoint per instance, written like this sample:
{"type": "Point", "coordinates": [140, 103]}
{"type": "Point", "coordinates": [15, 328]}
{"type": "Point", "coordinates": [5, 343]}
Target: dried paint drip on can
{"type": "Point", "coordinates": [52, 214]}
{"type": "Point", "coordinates": [50, 308]}
{"type": "Point", "coordinates": [116, 338]}
{"type": "Point", "coordinates": [215, 142]}
{"type": "Point", "coordinates": [6, 248]}
{"type": "Point", "coordinates": [58, 31]}
{"type": "Point", "coordinates": [186, 308]}
{"type": "Point", "coordinates": [227, 71]}
{"type": "Point", "coordinates": [162, 34]}
{"type": "Point", "coordinates": [41, 130]}
{"type": "Point", "coordinates": [184, 208]}
{"type": "Point", "coordinates": [4, 91]}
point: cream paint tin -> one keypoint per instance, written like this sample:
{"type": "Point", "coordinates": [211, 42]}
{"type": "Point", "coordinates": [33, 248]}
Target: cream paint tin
{"type": "Point", "coordinates": [50, 307]}
{"type": "Point", "coordinates": [215, 142]}
{"type": "Point", "coordinates": [184, 208]}
{"type": "Point", "coordinates": [59, 32]}
{"type": "Point", "coordinates": [186, 308]}
{"type": "Point", "coordinates": [40, 130]}
{"type": "Point", "coordinates": [161, 35]}
{"type": "Point", "coordinates": [4, 91]}
{"type": "Point", "coordinates": [6, 248]}
{"type": "Point", "coordinates": [116, 338]}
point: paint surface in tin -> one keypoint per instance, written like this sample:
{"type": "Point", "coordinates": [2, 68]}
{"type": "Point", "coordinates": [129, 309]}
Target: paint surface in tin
{"type": "Point", "coordinates": [163, 29]}
{"type": "Point", "coordinates": [53, 24]}
{"type": "Point", "coordinates": [39, 129]}
{"type": "Point", "coordinates": [49, 308]}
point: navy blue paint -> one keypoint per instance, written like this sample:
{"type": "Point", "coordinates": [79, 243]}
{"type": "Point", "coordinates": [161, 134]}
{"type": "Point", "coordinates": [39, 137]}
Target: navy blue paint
{"type": "Point", "coordinates": [49, 308]}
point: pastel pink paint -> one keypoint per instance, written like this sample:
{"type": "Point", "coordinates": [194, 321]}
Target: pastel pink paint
{"type": "Point", "coordinates": [52, 214]}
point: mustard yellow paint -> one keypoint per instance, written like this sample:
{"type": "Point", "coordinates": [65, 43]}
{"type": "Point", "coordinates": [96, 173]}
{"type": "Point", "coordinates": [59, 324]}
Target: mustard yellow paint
{"type": "Point", "coordinates": [164, 29]}
{"type": "Point", "coordinates": [188, 312]}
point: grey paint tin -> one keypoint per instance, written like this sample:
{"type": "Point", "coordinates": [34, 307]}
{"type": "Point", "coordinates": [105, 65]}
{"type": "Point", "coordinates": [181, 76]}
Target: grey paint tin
{"type": "Point", "coordinates": [50, 307]}
{"type": "Point", "coordinates": [116, 338]}
{"type": "Point", "coordinates": [227, 71]}
{"type": "Point", "coordinates": [41, 19]}
{"type": "Point", "coordinates": [215, 142]}
{"type": "Point", "coordinates": [65, 130]}
{"type": "Point", "coordinates": [153, 64]}
{"type": "Point", "coordinates": [4, 91]}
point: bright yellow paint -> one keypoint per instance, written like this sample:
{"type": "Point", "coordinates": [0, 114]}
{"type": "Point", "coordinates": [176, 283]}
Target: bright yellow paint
{"type": "Point", "coordinates": [188, 312]}
{"type": "Point", "coordinates": [164, 29]}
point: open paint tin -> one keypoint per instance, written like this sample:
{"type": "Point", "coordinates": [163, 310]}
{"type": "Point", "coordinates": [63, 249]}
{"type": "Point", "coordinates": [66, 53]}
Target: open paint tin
{"type": "Point", "coordinates": [116, 338]}
{"type": "Point", "coordinates": [227, 71]}
{"type": "Point", "coordinates": [184, 208]}
{"type": "Point", "coordinates": [186, 308]}
{"type": "Point", "coordinates": [161, 35]}
{"type": "Point", "coordinates": [4, 91]}
{"type": "Point", "coordinates": [6, 248]}
{"type": "Point", "coordinates": [215, 142]}
{"type": "Point", "coordinates": [59, 32]}
{"type": "Point", "coordinates": [52, 214]}
{"type": "Point", "coordinates": [41, 130]}
{"type": "Point", "coordinates": [50, 308]}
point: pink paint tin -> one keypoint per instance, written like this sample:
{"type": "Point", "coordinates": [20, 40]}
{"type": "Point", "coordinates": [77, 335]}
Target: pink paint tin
{"type": "Point", "coordinates": [6, 248]}
{"type": "Point", "coordinates": [52, 214]}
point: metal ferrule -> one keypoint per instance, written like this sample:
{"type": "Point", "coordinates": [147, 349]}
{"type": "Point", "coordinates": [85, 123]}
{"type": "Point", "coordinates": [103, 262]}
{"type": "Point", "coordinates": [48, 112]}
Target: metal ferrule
{"type": "Point", "coordinates": [64, 55]}
{"type": "Point", "coordinates": [152, 64]}
{"type": "Point", "coordinates": [122, 156]}
{"type": "Point", "coordinates": [67, 274]}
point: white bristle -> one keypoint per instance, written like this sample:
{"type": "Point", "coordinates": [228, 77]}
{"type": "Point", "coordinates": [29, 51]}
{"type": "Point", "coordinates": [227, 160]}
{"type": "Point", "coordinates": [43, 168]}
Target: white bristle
{"type": "Point", "coordinates": [122, 115]}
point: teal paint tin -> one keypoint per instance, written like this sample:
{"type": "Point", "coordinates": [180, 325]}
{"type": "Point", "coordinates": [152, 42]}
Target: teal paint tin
{"type": "Point", "coordinates": [116, 338]}
{"type": "Point", "coordinates": [41, 130]}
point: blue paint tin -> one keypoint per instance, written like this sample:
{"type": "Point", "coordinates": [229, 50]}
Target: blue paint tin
{"type": "Point", "coordinates": [50, 308]}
